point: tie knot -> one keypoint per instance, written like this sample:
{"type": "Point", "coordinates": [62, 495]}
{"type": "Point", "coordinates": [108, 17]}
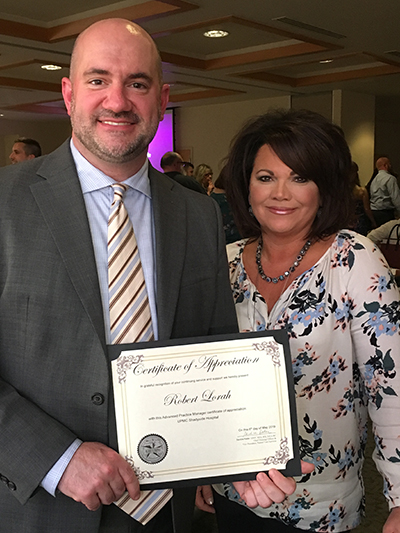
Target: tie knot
{"type": "Point", "coordinates": [119, 191]}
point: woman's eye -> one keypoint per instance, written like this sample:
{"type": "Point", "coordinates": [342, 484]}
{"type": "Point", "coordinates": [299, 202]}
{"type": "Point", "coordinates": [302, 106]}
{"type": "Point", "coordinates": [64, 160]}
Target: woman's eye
{"type": "Point", "coordinates": [301, 179]}
{"type": "Point", "coordinates": [264, 177]}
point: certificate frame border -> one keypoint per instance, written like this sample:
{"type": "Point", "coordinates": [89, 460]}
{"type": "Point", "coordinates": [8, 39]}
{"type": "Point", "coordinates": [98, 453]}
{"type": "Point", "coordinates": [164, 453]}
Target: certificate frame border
{"type": "Point", "coordinates": [293, 466]}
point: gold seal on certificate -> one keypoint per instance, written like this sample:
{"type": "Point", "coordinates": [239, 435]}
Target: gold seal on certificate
{"type": "Point", "coordinates": [205, 410]}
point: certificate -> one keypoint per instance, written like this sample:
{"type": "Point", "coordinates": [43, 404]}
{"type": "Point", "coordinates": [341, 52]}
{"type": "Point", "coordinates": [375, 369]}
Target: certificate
{"type": "Point", "coordinates": [205, 410]}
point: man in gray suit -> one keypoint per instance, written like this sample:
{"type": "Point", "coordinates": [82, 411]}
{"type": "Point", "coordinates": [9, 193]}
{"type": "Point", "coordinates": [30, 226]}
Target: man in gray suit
{"type": "Point", "coordinates": [58, 472]}
{"type": "Point", "coordinates": [54, 324]}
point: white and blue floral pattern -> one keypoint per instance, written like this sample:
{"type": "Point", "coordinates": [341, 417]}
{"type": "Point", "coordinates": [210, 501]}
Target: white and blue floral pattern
{"type": "Point", "coordinates": [343, 321]}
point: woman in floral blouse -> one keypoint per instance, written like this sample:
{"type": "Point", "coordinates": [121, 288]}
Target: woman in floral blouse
{"type": "Point", "coordinates": [331, 289]}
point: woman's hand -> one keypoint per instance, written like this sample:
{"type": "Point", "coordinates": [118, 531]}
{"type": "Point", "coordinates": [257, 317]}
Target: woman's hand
{"type": "Point", "coordinates": [205, 499]}
{"type": "Point", "coordinates": [263, 491]}
{"type": "Point", "coordinates": [392, 524]}
{"type": "Point", "coordinates": [266, 489]}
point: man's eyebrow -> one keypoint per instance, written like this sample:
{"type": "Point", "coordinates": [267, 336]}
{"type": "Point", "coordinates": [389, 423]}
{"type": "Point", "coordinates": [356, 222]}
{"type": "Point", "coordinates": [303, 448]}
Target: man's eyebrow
{"type": "Point", "coordinates": [99, 71]}
{"type": "Point", "coordinates": [140, 76]}
{"type": "Point", "coordinates": [133, 76]}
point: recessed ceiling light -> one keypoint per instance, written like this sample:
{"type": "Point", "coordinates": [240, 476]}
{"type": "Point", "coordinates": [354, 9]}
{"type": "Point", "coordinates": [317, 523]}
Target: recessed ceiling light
{"type": "Point", "coordinates": [51, 67]}
{"type": "Point", "coordinates": [326, 61]}
{"type": "Point", "coordinates": [215, 34]}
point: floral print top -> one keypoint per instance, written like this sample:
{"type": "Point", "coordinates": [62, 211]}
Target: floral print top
{"type": "Point", "coordinates": [343, 321]}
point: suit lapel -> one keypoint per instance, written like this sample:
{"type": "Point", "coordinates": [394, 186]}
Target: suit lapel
{"type": "Point", "coordinates": [60, 200]}
{"type": "Point", "coordinates": [170, 231]}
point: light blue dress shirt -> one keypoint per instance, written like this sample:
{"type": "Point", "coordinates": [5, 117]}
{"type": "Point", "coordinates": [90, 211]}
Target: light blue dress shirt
{"type": "Point", "coordinates": [98, 196]}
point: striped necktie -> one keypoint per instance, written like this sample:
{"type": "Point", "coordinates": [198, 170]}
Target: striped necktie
{"type": "Point", "coordinates": [130, 320]}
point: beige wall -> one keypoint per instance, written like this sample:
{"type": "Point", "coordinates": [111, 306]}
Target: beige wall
{"type": "Point", "coordinates": [319, 103]}
{"type": "Point", "coordinates": [355, 114]}
{"type": "Point", "coordinates": [358, 123]}
{"type": "Point", "coordinates": [387, 130]}
{"type": "Point", "coordinates": [208, 130]}
{"type": "Point", "coordinates": [49, 133]}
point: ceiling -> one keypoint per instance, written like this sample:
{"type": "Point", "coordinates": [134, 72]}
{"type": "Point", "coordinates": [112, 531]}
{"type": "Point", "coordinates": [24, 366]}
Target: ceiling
{"type": "Point", "coordinates": [273, 48]}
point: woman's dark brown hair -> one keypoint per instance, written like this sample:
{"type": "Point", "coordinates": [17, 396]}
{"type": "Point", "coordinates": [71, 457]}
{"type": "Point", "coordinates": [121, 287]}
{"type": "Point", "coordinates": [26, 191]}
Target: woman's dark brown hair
{"type": "Point", "coordinates": [308, 144]}
{"type": "Point", "coordinates": [221, 180]}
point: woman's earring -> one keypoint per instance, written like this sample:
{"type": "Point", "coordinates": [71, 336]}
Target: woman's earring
{"type": "Point", "coordinates": [251, 211]}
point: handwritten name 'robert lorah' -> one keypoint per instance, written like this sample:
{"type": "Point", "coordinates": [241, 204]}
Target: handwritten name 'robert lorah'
{"type": "Point", "coordinates": [207, 396]}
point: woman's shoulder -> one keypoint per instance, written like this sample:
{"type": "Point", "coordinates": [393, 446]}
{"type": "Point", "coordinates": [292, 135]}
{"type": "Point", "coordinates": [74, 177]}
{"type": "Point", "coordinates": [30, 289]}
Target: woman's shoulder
{"type": "Point", "coordinates": [357, 255]}
{"type": "Point", "coordinates": [350, 239]}
{"type": "Point", "coordinates": [235, 249]}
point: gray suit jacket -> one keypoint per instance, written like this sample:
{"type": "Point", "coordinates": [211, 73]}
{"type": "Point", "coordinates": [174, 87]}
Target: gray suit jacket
{"type": "Point", "coordinates": [54, 373]}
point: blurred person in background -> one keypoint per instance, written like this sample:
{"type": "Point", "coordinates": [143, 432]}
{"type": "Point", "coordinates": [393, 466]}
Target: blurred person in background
{"type": "Point", "coordinates": [188, 168]}
{"type": "Point", "coordinates": [24, 149]}
{"type": "Point", "coordinates": [171, 163]}
{"type": "Point", "coordinates": [382, 233]}
{"type": "Point", "coordinates": [203, 175]}
{"type": "Point", "coordinates": [384, 192]}
{"type": "Point", "coordinates": [218, 194]}
{"type": "Point", "coordinates": [363, 218]}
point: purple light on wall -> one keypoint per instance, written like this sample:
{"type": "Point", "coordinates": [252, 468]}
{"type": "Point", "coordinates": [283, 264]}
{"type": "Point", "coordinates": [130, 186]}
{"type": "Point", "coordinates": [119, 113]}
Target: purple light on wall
{"type": "Point", "coordinates": [163, 141]}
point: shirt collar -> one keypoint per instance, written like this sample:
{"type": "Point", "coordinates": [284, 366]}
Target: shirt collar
{"type": "Point", "coordinates": [93, 179]}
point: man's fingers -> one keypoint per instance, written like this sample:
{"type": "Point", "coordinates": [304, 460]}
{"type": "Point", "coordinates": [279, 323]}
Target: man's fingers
{"type": "Point", "coordinates": [98, 475]}
{"type": "Point", "coordinates": [118, 487]}
{"type": "Point", "coordinates": [130, 481]}
{"type": "Point", "coordinates": [93, 504]}
{"type": "Point", "coordinates": [99, 492]}
{"type": "Point", "coordinates": [106, 496]}
{"type": "Point", "coordinates": [133, 489]}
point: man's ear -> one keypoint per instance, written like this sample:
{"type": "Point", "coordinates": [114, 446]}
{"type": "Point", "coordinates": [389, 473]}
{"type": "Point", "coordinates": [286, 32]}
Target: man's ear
{"type": "Point", "coordinates": [164, 99]}
{"type": "Point", "coordinates": [66, 87]}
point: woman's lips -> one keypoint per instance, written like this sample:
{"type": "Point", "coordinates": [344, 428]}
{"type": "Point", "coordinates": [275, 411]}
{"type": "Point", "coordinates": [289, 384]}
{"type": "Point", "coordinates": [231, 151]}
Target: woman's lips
{"type": "Point", "coordinates": [281, 210]}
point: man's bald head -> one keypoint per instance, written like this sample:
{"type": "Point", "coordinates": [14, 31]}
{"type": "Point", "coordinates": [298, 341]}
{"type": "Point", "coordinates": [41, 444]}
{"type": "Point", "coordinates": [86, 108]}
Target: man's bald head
{"type": "Point", "coordinates": [171, 161]}
{"type": "Point", "coordinates": [112, 27]}
{"type": "Point", "coordinates": [383, 163]}
{"type": "Point", "coordinates": [114, 95]}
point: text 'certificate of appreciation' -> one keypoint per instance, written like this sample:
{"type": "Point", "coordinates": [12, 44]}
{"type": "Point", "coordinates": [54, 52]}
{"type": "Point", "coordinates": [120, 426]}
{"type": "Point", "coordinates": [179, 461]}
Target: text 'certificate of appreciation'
{"type": "Point", "coordinates": [205, 410]}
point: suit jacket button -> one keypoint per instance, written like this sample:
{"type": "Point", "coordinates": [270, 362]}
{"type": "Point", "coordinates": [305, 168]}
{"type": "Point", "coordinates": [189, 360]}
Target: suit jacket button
{"type": "Point", "coordinates": [11, 485]}
{"type": "Point", "coordinates": [3, 479]}
{"type": "Point", "coordinates": [97, 398]}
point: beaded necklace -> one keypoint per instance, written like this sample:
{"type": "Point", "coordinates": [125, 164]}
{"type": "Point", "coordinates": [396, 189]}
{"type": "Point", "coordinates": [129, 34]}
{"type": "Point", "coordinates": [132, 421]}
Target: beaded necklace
{"type": "Point", "coordinates": [287, 273]}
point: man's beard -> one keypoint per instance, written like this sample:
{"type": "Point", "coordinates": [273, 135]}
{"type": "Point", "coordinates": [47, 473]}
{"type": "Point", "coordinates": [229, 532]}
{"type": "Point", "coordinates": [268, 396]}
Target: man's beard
{"type": "Point", "coordinates": [113, 152]}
